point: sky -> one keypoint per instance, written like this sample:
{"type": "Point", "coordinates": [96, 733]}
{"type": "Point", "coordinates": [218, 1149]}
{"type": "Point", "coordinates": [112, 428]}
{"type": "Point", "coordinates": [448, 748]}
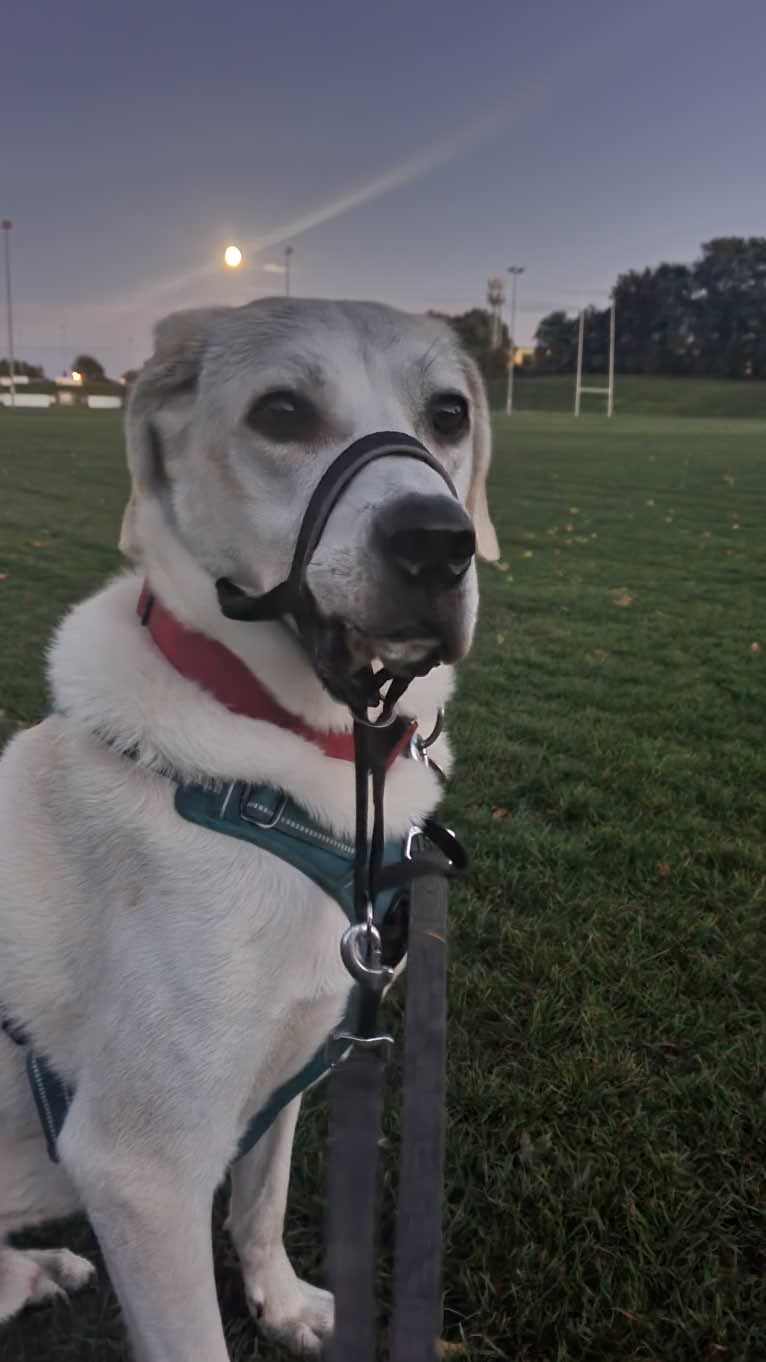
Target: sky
{"type": "Point", "coordinates": [407, 151]}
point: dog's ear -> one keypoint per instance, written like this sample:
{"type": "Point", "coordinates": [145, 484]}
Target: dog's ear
{"type": "Point", "coordinates": [159, 412]}
{"type": "Point", "coordinates": [476, 501]}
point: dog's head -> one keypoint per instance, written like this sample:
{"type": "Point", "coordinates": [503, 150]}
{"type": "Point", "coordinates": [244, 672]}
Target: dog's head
{"type": "Point", "coordinates": [239, 412]}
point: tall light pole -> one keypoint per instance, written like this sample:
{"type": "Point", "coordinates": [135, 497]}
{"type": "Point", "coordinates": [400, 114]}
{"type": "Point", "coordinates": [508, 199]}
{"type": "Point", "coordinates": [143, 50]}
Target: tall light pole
{"type": "Point", "coordinates": [7, 225]}
{"type": "Point", "coordinates": [288, 255]}
{"type": "Point", "coordinates": [514, 271]}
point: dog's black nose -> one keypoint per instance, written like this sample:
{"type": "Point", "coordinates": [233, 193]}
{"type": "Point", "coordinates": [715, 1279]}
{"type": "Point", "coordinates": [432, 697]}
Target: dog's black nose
{"type": "Point", "coordinates": [428, 539]}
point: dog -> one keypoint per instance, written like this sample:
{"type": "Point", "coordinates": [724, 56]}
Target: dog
{"type": "Point", "coordinates": [170, 977]}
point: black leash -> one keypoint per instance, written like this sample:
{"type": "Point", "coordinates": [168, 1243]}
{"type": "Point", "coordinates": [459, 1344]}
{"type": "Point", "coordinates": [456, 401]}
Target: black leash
{"type": "Point", "coordinates": [357, 1080]}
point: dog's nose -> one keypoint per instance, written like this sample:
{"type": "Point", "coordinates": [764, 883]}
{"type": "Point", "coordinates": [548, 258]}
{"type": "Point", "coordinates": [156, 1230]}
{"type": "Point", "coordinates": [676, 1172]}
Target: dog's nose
{"type": "Point", "coordinates": [428, 539]}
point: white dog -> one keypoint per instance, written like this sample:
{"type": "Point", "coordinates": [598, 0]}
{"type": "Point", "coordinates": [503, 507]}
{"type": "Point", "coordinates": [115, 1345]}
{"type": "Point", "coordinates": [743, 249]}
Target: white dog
{"type": "Point", "coordinates": [173, 978]}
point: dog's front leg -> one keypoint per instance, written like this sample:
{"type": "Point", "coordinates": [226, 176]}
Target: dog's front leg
{"type": "Point", "coordinates": [152, 1217]}
{"type": "Point", "coordinates": [290, 1311]}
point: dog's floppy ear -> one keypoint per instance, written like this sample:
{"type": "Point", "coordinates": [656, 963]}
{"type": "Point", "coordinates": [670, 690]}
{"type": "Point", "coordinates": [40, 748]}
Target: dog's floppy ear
{"type": "Point", "coordinates": [476, 501]}
{"type": "Point", "coordinates": [159, 411]}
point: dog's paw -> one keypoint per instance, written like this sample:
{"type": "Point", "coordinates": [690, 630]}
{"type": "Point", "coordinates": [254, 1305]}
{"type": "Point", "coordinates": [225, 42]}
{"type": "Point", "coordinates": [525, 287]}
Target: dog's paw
{"type": "Point", "coordinates": [32, 1276]}
{"type": "Point", "coordinates": [291, 1312]}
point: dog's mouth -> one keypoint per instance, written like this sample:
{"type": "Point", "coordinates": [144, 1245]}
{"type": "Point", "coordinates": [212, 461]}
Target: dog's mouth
{"type": "Point", "coordinates": [342, 652]}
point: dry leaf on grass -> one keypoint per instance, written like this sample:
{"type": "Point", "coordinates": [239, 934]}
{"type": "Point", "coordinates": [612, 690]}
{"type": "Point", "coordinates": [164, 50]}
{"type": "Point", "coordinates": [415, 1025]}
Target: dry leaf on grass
{"type": "Point", "coordinates": [755, 647]}
{"type": "Point", "coordinates": [621, 597]}
{"type": "Point", "coordinates": [36, 544]}
{"type": "Point", "coordinates": [665, 869]}
{"type": "Point", "coordinates": [497, 814]}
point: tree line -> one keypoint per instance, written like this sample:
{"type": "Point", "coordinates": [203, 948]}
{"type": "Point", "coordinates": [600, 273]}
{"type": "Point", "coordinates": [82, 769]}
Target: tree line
{"type": "Point", "coordinates": [705, 318]}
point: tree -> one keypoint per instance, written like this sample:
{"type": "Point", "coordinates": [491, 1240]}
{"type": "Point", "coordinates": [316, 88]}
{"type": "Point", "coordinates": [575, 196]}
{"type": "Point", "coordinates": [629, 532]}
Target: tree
{"type": "Point", "coordinates": [91, 369]}
{"type": "Point", "coordinates": [730, 297]}
{"type": "Point", "coordinates": [556, 344]}
{"type": "Point", "coordinates": [21, 369]}
{"type": "Point", "coordinates": [656, 323]}
{"type": "Point", "coordinates": [474, 330]}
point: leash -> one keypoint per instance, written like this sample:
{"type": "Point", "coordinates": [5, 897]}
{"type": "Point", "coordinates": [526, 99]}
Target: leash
{"type": "Point", "coordinates": [417, 1312]}
{"type": "Point", "coordinates": [356, 1099]}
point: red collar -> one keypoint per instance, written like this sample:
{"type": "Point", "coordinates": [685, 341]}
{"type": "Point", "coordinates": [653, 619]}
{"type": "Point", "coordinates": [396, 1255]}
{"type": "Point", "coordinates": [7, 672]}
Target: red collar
{"type": "Point", "coordinates": [225, 676]}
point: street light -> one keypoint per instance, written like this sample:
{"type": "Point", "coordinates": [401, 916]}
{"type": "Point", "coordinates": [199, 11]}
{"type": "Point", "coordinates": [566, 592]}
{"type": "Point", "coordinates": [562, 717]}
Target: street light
{"type": "Point", "coordinates": [288, 254]}
{"type": "Point", "coordinates": [232, 257]}
{"type": "Point", "coordinates": [514, 271]}
{"type": "Point", "coordinates": [7, 225]}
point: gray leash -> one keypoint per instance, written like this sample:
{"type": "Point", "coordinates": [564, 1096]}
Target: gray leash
{"type": "Point", "coordinates": [417, 1315]}
{"type": "Point", "coordinates": [356, 1104]}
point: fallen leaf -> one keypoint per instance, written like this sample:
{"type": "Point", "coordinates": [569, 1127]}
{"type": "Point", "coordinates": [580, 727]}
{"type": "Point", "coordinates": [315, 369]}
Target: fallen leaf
{"type": "Point", "coordinates": [573, 510]}
{"type": "Point", "coordinates": [622, 597]}
{"type": "Point", "coordinates": [569, 528]}
{"type": "Point", "coordinates": [649, 502]}
{"type": "Point", "coordinates": [500, 638]}
{"type": "Point", "coordinates": [497, 814]}
{"type": "Point", "coordinates": [36, 544]}
{"type": "Point", "coordinates": [755, 647]}
{"type": "Point", "coordinates": [664, 868]}
{"type": "Point", "coordinates": [728, 479]}
{"type": "Point", "coordinates": [528, 553]}
{"type": "Point", "coordinates": [3, 576]}
{"type": "Point", "coordinates": [735, 527]}
{"type": "Point", "coordinates": [600, 653]}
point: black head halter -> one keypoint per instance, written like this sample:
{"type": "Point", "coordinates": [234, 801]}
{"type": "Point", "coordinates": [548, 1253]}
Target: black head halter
{"type": "Point", "coordinates": [293, 597]}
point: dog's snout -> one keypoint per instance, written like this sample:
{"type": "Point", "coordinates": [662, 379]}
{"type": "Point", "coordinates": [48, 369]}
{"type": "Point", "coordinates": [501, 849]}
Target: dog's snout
{"type": "Point", "coordinates": [429, 540]}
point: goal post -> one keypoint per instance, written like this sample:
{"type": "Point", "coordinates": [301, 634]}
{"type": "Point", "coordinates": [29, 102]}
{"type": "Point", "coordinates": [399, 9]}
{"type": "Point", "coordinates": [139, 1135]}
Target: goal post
{"type": "Point", "coordinates": [607, 392]}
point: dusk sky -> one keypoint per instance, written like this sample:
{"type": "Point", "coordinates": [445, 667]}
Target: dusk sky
{"type": "Point", "coordinates": [407, 151]}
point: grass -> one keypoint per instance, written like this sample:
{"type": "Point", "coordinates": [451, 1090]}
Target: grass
{"type": "Point", "coordinates": [607, 1102]}
{"type": "Point", "coordinates": [640, 395]}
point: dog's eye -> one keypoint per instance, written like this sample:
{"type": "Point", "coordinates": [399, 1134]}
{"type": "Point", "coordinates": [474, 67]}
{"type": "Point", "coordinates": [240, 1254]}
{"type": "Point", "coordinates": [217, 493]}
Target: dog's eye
{"type": "Point", "coordinates": [284, 416]}
{"type": "Point", "coordinates": [448, 414]}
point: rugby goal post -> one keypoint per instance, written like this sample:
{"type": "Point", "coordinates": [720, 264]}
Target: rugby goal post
{"type": "Point", "coordinates": [607, 392]}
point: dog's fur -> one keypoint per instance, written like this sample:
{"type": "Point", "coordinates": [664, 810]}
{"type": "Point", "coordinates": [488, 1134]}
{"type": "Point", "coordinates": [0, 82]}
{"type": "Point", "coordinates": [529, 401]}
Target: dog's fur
{"type": "Point", "coordinates": [175, 976]}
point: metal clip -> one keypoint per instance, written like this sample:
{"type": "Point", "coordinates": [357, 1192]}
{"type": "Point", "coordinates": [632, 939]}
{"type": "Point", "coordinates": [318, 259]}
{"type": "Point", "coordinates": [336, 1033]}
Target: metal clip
{"type": "Point", "coordinates": [362, 953]}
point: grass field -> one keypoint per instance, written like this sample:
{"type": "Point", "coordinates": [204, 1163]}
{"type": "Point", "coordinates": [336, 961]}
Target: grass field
{"type": "Point", "coordinates": [607, 1100]}
{"type": "Point", "coordinates": [640, 395]}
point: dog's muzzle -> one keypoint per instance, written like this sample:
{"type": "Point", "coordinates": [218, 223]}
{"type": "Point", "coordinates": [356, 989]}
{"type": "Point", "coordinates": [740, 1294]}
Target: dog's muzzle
{"type": "Point", "coordinates": [427, 540]}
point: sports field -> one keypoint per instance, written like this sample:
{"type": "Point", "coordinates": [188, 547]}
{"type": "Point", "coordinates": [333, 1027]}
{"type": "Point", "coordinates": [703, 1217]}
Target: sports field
{"type": "Point", "coordinates": [607, 1098]}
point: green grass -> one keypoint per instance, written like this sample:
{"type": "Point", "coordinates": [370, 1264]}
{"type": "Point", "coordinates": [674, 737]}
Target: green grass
{"type": "Point", "coordinates": [639, 395]}
{"type": "Point", "coordinates": [607, 1100]}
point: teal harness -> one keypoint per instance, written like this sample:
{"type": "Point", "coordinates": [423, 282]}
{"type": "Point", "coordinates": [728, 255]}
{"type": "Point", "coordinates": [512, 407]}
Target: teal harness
{"type": "Point", "coordinates": [269, 819]}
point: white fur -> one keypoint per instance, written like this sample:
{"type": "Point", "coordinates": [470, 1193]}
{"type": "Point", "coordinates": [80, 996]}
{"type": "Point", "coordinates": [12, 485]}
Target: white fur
{"type": "Point", "coordinates": [173, 975]}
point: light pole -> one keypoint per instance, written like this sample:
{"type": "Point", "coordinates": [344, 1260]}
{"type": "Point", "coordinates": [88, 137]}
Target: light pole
{"type": "Point", "coordinates": [288, 256]}
{"type": "Point", "coordinates": [7, 225]}
{"type": "Point", "coordinates": [514, 271]}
